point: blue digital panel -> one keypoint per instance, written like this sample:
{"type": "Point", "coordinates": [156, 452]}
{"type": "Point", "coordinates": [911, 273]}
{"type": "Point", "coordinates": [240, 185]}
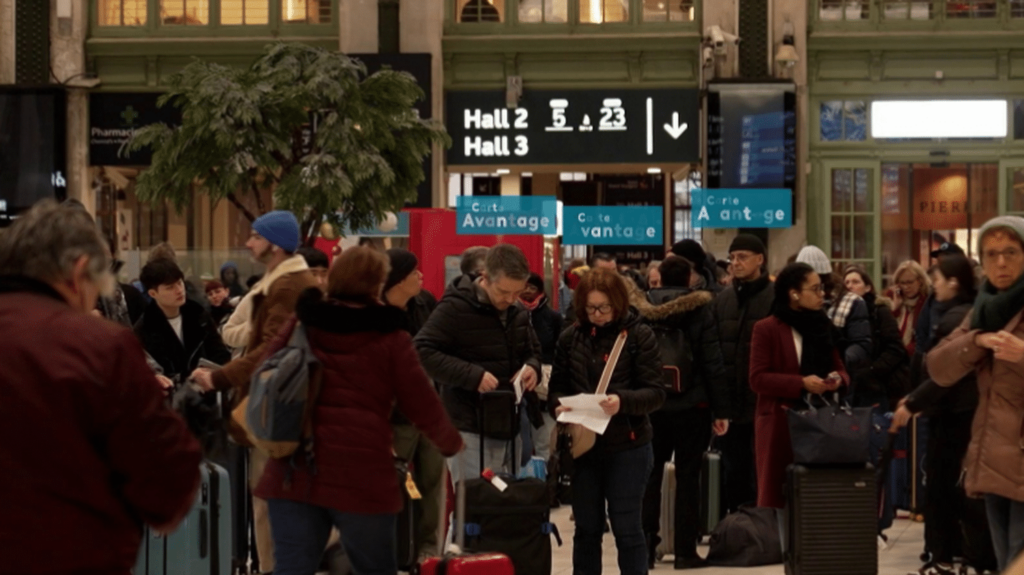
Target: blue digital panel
{"type": "Point", "coordinates": [746, 208]}
{"type": "Point", "coordinates": [612, 225]}
{"type": "Point", "coordinates": [507, 215]}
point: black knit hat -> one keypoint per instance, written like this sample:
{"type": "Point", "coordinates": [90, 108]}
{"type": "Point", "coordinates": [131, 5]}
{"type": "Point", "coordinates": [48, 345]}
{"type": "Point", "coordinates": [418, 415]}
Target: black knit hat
{"type": "Point", "coordinates": [403, 263]}
{"type": "Point", "coordinates": [747, 243]}
{"type": "Point", "coordinates": [536, 281]}
{"type": "Point", "coordinates": [691, 250]}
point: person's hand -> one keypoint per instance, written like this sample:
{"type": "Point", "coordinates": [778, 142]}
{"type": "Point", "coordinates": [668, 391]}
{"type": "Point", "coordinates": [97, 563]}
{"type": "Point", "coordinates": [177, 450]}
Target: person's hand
{"type": "Point", "coordinates": [165, 383]}
{"type": "Point", "coordinates": [1010, 348]}
{"type": "Point", "coordinates": [815, 384]}
{"type": "Point", "coordinates": [900, 418]}
{"type": "Point", "coordinates": [203, 378]}
{"type": "Point", "coordinates": [987, 340]}
{"type": "Point", "coordinates": [529, 378]}
{"type": "Point", "coordinates": [834, 381]}
{"type": "Point", "coordinates": [562, 409]}
{"type": "Point", "coordinates": [901, 403]}
{"type": "Point", "coordinates": [611, 404]}
{"type": "Point", "coordinates": [487, 383]}
{"type": "Point", "coordinates": [720, 427]}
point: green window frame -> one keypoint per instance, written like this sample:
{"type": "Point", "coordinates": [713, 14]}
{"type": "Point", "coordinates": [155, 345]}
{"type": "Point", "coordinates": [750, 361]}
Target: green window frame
{"type": "Point", "coordinates": [849, 231]}
{"type": "Point", "coordinates": [276, 20]}
{"type": "Point", "coordinates": [882, 15]}
{"type": "Point", "coordinates": [569, 16]}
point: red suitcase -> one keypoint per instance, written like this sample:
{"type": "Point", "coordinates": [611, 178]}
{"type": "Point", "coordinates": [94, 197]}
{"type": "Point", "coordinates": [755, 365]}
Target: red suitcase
{"type": "Point", "coordinates": [481, 564]}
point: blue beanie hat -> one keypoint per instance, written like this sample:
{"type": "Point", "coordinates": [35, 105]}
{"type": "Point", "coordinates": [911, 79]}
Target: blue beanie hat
{"type": "Point", "coordinates": [279, 228]}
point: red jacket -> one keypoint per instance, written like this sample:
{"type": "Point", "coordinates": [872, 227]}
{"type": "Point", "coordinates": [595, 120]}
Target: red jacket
{"type": "Point", "coordinates": [775, 378]}
{"type": "Point", "coordinates": [89, 449]}
{"type": "Point", "coordinates": [370, 368]}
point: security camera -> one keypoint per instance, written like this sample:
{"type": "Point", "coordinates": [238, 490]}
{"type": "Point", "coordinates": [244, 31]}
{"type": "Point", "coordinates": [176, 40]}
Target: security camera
{"type": "Point", "coordinates": [708, 55]}
{"type": "Point", "coordinates": [719, 39]}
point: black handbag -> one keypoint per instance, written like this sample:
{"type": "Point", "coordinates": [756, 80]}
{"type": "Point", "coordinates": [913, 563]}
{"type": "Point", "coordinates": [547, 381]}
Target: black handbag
{"type": "Point", "coordinates": [832, 433]}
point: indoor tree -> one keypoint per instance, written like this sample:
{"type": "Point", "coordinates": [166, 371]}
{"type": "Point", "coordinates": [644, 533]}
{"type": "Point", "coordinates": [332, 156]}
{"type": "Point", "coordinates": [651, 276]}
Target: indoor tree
{"type": "Point", "coordinates": [308, 124]}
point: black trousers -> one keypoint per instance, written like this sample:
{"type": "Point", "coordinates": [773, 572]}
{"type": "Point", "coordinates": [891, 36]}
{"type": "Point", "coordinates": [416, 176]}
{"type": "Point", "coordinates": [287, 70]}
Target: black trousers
{"type": "Point", "coordinates": [945, 504]}
{"type": "Point", "coordinates": [687, 434]}
{"type": "Point", "coordinates": [739, 475]}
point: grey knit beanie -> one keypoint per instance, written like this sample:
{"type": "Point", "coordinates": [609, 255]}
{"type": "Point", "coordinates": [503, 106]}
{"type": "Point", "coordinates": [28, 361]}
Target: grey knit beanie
{"type": "Point", "coordinates": [814, 257]}
{"type": "Point", "coordinates": [1015, 223]}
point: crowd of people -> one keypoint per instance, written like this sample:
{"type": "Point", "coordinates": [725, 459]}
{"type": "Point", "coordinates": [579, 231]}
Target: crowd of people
{"type": "Point", "coordinates": [404, 375]}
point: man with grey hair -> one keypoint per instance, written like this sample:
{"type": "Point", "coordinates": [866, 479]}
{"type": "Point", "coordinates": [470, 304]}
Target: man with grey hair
{"type": "Point", "coordinates": [473, 261]}
{"type": "Point", "coordinates": [105, 453]}
{"type": "Point", "coordinates": [477, 341]}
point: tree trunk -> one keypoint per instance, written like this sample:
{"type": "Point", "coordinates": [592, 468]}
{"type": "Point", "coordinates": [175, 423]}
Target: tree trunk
{"type": "Point", "coordinates": [241, 207]}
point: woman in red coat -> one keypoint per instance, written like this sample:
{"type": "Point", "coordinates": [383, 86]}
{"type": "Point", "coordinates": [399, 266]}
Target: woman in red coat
{"type": "Point", "coordinates": [792, 352]}
{"type": "Point", "coordinates": [369, 368]}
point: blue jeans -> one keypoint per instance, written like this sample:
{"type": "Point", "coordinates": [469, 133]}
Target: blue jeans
{"type": "Point", "coordinates": [1006, 522]}
{"type": "Point", "coordinates": [301, 531]}
{"type": "Point", "coordinates": [619, 479]}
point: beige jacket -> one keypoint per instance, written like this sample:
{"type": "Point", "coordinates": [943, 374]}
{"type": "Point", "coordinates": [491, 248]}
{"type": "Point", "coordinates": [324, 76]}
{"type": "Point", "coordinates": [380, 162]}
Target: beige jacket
{"type": "Point", "coordinates": [995, 458]}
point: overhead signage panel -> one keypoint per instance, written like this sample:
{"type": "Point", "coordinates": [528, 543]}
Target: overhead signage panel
{"type": "Point", "coordinates": [507, 215]}
{"type": "Point", "coordinates": [574, 127]}
{"type": "Point", "coordinates": [113, 119]}
{"type": "Point", "coordinates": [741, 208]}
{"type": "Point", "coordinates": [612, 225]}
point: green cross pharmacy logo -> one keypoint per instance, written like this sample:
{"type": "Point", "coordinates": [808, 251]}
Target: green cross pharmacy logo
{"type": "Point", "coordinates": [129, 115]}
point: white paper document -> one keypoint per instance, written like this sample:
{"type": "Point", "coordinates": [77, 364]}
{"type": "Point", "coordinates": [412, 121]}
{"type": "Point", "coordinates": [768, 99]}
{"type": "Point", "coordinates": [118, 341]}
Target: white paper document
{"type": "Point", "coordinates": [518, 386]}
{"type": "Point", "coordinates": [586, 411]}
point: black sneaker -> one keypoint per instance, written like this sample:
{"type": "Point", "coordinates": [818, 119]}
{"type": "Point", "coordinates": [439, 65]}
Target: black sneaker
{"type": "Point", "coordinates": [934, 568]}
{"type": "Point", "coordinates": [690, 563]}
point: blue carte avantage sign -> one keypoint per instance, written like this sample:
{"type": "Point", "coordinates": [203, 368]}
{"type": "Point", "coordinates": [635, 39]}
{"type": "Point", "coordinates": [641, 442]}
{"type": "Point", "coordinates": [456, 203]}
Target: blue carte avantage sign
{"type": "Point", "coordinates": [745, 208]}
{"type": "Point", "coordinates": [507, 215]}
{"type": "Point", "coordinates": [612, 225]}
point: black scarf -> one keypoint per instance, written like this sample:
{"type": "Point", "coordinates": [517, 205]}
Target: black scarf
{"type": "Point", "coordinates": [816, 330]}
{"type": "Point", "coordinates": [746, 290]}
{"type": "Point", "coordinates": [993, 309]}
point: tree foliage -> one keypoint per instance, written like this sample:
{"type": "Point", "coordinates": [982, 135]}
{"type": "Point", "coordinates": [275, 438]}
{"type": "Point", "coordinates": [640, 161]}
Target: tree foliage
{"type": "Point", "coordinates": [241, 134]}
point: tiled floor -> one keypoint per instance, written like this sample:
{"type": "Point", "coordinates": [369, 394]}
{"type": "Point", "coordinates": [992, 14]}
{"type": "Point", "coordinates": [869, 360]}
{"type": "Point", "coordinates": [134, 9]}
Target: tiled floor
{"type": "Point", "coordinates": [906, 541]}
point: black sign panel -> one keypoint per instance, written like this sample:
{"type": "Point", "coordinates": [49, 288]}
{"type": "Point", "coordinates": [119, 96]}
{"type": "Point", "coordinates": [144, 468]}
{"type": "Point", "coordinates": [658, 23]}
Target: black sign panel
{"type": "Point", "coordinates": [114, 117]}
{"type": "Point", "coordinates": [633, 190]}
{"type": "Point", "coordinates": [419, 65]}
{"type": "Point", "coordinates": [33, 144]}
{"type": "Point", "coordinates": [574, 127]}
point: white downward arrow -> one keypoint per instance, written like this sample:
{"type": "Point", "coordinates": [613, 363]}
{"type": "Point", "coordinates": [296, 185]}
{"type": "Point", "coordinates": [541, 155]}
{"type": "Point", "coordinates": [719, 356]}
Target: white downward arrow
{"type": "Point", "coordinates": [675, 129]}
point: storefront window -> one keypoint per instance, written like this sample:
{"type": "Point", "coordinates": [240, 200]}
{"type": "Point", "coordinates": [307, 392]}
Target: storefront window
{"type": "Point", "coordinates": [480, 10]}
{"type": "Point", "coordinates": [306, 11]}
{"type": "Point", "coordinates": [244, 12]}
{"type": "Point", "coordinates": [121, 12]}
{"type": "Point", "coordinates": [1017, 8]}
{"type": "Point", "coordinates": [970, 9]}
{"type": "Point", "coordinates": [838, 10]}
{"type": "Point", "coordinates": [544, 11]}
{"type": "Point", "coordinates": [844, 121]}
{"type": "Point", "coordinates": [904, 10]}
{"type": "Point", "coordinates": [682, 228]}
{"type": "Point", "coordinates": [601, 11]}
{"type": "Point", "coordinates": [669, 11]}
{"type": "Point", "coordinates": [185, 12]}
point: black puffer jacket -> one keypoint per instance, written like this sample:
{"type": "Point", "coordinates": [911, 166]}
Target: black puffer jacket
{"type": "Point", "coordinates": [690, 311]}
{"type": "Point", "coordinates": [637, 379]}
{"type": "Point", "coordinates": [930, 397]}
{"type": "Point", "coordinates": [888, 374]}
{"type": "Point", "coordinates": [737, 309]}
{"type": "Point", "coordinates": [178, 360]}
{"type": "Point", "coordinates": [547, 323]}
{"type": "Point", "coordinates": [466, 337]}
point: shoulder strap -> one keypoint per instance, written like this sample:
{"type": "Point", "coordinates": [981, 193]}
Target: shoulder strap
{"type": "Point", "coordinates": [606, 375]}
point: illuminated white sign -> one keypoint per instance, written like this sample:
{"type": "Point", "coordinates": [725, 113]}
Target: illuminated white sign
{"type": "Point", "coordinates": [939, 119]}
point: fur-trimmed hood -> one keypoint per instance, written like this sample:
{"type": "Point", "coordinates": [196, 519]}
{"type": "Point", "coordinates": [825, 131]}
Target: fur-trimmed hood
{"type": "Point", "coordinates": [345, 318]}
{"type": "Point", "coordinates": [675, 301]}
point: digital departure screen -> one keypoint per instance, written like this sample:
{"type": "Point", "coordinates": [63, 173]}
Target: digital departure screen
{"type": "Point", "coordinates": [32, 148]}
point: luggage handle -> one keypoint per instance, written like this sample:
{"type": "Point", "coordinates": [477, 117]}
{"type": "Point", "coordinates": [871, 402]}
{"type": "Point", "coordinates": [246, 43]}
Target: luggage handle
{"type": "Point", "coordinates": [512, 442]}
{"type": "Point", "coordinates": [204, 526]}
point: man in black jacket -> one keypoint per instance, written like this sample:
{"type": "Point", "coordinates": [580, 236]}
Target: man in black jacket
{"type": "Point", "coordinates": [685, 422]}
{"type": "Point", "coordinates": [737, 308]}
{"type": "Point", "coordinates": [176, 332]}
{"type": "Point", "coordinates": [476, 342]}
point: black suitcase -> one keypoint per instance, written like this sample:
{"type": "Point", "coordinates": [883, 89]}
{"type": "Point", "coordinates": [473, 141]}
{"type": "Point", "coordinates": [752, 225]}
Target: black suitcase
{"type": "Point", "coordinates": [406, 543]}
{"type": "Point", "coordinates": [831, 521]}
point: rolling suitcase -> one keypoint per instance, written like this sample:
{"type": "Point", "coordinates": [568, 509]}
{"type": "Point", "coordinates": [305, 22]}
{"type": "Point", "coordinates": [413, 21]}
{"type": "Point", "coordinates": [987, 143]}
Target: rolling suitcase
{"type": "Point", "coordinates": [467, 564]}
{"type": "Point", "coordinates": [814, 542]}
{"type": "Point", "coordinates": [667, 518]}
{"type": "Point", "coordinates": [202, 544]}
{"type": "Point", "coordinates": [406, 522]}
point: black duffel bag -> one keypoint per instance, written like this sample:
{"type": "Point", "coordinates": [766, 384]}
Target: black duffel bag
{"type": "Point", "coordinates": [748, 537]}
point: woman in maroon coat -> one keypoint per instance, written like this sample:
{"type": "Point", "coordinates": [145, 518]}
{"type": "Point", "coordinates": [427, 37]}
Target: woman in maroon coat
{"type": "Point", "coordinates": [369, 368]}
{"type": "Point", "coordinates": [792, 352]}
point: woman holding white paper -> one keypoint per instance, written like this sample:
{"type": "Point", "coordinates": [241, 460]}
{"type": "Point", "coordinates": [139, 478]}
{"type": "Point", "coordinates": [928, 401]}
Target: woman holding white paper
{"type": "Point", "coordinates": [613, 474]}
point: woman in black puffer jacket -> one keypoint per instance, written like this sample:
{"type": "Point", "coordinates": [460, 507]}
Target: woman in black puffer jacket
{"type": "Point", "coordinates": [614, 472]}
